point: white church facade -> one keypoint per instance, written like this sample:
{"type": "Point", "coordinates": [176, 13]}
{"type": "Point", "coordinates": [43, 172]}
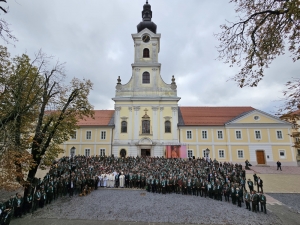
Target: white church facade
{"type": "Point", "coordinates": [147, 119]}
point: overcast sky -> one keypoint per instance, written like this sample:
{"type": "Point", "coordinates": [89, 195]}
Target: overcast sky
{"type": "Point", "coordinates": [94, 38]}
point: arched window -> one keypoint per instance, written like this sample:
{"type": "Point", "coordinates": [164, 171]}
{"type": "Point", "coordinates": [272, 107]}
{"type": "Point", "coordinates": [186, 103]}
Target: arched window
{"type": "Point", "coordinates": [146, 126]}
{"type": "Point", "coordinates": [167, 127]}
{"type": "Point", "coordinates": [146, 78]}
{"type": "Point", "coordinates": [123, 153]}
{"type": "Point", "coordinates": [146, 53]}
{"type": "Point", "coordinates": [124, 127]}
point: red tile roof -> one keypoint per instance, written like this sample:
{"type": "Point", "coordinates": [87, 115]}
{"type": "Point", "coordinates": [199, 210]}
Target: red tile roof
{"type": "Point", "coordinates": [211, 116]}
{"type": "Point", "coordinates": [101, 118]}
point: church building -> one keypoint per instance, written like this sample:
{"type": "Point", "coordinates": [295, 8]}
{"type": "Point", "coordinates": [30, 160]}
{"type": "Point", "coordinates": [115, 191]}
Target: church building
{"type": "Point", "coordinates": [147, 120]}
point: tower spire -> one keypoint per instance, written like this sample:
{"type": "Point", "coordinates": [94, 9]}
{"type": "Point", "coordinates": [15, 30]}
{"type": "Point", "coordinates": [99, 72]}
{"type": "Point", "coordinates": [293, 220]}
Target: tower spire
{"type": "Point", "coordinates": [147, 16]}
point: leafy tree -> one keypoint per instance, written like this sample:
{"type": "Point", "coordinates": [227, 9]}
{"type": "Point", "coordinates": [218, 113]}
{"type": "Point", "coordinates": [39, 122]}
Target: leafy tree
{"type": "Point", "coordinates": [5, 32]}
{"type": "Point", "coordinates": [265, 30]}
{"type": "Point", "coordinates": [38, 112]}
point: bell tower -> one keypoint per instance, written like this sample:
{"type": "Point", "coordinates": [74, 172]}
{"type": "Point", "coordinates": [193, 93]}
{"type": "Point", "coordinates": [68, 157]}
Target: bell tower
{"type": "Point", "coordinates": [146, 41]}
{"type": "Point", "coordinates": [146, 105]}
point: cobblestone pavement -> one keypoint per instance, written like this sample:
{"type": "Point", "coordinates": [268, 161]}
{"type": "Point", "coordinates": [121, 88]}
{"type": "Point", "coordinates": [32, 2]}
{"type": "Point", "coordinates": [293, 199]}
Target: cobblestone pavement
{"type": "Point", "coordinates": [141, 206]}
{"type": "Point", "coordinates": [292, 201]}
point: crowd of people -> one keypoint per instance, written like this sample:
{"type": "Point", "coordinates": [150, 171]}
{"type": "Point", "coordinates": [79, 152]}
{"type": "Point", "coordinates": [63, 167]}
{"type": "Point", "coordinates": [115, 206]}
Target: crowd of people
{"type": "Point", "coordinates": [79, 175]}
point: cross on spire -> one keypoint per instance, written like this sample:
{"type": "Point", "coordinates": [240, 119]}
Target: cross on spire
{"type": "Point", "coordinates": [146, 110]}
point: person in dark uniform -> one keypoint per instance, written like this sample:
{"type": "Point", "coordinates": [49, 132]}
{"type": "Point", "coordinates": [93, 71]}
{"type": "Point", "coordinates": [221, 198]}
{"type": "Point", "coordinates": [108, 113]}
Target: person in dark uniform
{"type": "Point", "coordinates": [163, 186]}
{"type": "Point", "coordinates": [226, 191]}
{"type": "Point", "coordinates": [259, 184]}
{"type": "Point", "coordinates": [203, 189]}
{"type": "Point", "coordinates": [18, 205]}
{"type": "Point", "coordinates": [247, 197]}
{"type": "Point", "coordinates": [6, 216]}
{"type": "Point", "coordinates": [10, 205]}
{"type": "Point", "coordinates": [250, 185]}
{"type": "Point", "coordinates": [233, 195]}
{"type": "Point", "coordinates": [126, 180]}
{"type": "Point", "coordinates": [28, 203]}
{"type": "Point", "coordinates": [43, 199]}
{"type": "Point", "coordinates": [279, 165]}
{"type": "Point", "coordinates": [198, 187]}
{"type": "Point", "coordinates": [239, 192]}
{"type": "Point", "coordinates": [37, 199]}
{"type": "Point", "coordinates": [263, 201]}
{"type": "Point", "coordinates": [255, 179]}
{"type": "Point", "coordinates": [254, 199]}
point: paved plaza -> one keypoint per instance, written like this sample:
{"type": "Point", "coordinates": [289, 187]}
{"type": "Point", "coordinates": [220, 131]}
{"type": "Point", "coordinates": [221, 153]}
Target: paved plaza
{"type": "Point", "coordinates": [127, 206]}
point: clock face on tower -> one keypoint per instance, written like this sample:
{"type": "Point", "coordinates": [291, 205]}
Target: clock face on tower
{"type": "Point", "coordinates": [146, 38]}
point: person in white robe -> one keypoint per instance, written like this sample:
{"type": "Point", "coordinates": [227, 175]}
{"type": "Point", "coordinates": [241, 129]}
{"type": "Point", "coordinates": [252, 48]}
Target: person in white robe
{"type": "Point", "coordinates": [112, 180]}
{"type": "Point", "coordinates": [109, 180]}
{"type": "Point", "coordinates": [99, 181]}
{"type": "Point", "coordinates": [122, 180]}
{"type": "Point", "coordinates": [104, 180]}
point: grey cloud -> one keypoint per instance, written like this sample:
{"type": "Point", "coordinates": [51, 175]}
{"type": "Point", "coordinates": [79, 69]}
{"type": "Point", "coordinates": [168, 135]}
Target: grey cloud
{"type": "Point", "coordinates": [94, 39]}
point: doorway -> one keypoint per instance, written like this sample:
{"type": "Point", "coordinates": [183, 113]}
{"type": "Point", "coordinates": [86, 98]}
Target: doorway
{"type": "Point", "coordinates": [145, 152]}
{"type": "Point", "coordinates": [123, 153]}
{"type": "Point", "coordinates": [260, 157]}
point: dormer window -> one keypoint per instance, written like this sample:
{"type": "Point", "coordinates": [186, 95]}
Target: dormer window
{"type": "Point", "coordinates": [146, 78]}
{"type": "Point", "coordinates": [146, 53]}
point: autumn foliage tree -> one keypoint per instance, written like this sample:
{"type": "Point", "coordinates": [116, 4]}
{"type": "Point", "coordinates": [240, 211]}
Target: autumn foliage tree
{"type": "Point", "coordinates": [265, 29]}
{"type": "Point", "coordinates": [38, 112]}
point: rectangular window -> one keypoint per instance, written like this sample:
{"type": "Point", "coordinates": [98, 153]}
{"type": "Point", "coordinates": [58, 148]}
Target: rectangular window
{"type": "Point", "coordinates": [282, 154]}
{"type": "Point", "coordinates": [190, 153]}
{"type": "Point", "coordinates": [221, 154]}
{"type": "Point", "coordinates": [102, 152]}
{"type": "Point", "coordinates": [257, 134]}
{"type": "Point", "coordinates": [103, 135]}
{"type": "Point", "coordinates": [189, 134]}
{"type": "Point", "coordinates": [87, 152]}
{"type": "Point", "coordinates": [279, 134]}
{"type": "Point", "coordinates": [89, 135]}
{"type": "Point", "coordinates": [238, 134]}
{"type": "Point", "coordinates": [298, 150]}
{"type": "Point", "coordinates": [297, 139]}
{"type": "Point", "coordinates": [220, 134]}
{"type": "Point", "coordinates": [240, 154]}
{"type": "Point", "coordinates": [204, 134]}
{"type": "Point", "coordinates": [73, 135]}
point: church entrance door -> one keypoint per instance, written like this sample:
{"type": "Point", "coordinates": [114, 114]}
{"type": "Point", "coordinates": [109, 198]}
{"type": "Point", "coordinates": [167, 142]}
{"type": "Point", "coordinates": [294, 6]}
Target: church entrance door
{"type": "Point", "coordinates": [260, 156]}
{"type": "Point", "coordinates": [145, 152]}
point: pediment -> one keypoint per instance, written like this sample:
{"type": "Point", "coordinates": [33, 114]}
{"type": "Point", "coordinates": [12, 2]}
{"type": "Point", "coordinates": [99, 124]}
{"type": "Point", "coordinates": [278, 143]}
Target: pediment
{"type": "Point", "coordinates": [145, 141]}
{"type": "Point", "coordinates": [256, 117]}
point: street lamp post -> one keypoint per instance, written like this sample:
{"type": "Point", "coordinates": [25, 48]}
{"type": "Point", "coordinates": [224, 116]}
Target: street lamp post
{"type": "Point", "coordinates": [207, 151]}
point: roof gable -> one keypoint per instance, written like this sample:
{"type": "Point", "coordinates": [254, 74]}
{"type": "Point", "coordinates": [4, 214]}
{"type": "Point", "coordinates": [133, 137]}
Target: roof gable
{"type": "Point", "coordinates": [257, 117]}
